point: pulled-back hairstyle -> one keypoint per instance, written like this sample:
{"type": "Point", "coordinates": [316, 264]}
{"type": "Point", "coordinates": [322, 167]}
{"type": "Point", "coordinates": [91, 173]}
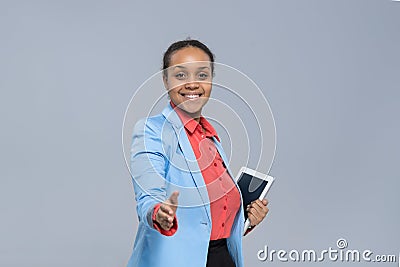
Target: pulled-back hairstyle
{"type": "Point", "coordinates": [183, 44]}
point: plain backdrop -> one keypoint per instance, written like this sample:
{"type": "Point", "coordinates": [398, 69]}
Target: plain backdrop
{"type": "Point", "coordinates": [329, 69]}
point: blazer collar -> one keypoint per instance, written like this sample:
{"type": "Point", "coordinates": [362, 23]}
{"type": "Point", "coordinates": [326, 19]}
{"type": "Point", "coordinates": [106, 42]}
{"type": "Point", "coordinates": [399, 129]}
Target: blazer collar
{"type": "Point", "coordinates": [172, 117]}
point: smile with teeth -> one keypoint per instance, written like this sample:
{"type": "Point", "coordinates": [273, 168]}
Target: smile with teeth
{"type": "Point", "coordinates": [191, 96]}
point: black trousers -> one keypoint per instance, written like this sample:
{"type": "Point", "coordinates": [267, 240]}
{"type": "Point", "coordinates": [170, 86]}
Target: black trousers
{"type": "Point", "coordinates": [218, 254]}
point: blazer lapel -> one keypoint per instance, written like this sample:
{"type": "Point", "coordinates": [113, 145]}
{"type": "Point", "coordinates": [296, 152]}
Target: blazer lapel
{"type": "Point", "coordinates": [190, 158]}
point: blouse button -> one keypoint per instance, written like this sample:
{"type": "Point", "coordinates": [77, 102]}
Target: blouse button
{"type": "Point", "coordinates": [224, 207]}
{"type": "Point", "coordinates": [223, 224]}
{"type": "Point", "coordinates": [215, 164]}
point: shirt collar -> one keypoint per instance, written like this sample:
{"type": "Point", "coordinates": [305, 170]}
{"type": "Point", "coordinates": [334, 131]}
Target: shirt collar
{"type": "Point", "coordinates": [191, 124]}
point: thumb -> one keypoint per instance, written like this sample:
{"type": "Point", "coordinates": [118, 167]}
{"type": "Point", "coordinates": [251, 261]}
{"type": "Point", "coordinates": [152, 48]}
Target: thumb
{"type": "Point", "coordinates": [173, 198]}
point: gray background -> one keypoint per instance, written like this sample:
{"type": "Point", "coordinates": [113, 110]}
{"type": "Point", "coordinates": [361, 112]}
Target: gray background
{"type": "Point", "coordinates": [330, 70]}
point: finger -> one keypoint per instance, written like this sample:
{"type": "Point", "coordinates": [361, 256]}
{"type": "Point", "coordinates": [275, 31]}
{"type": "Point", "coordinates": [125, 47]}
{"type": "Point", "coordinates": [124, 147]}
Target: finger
{"type": "Point", "coordinates": [263, 210]}
{"type": "Point", "coordinates": [258, 203]}
{"type": "Point", "coordinates": [255, 203]}
{"type": "Point", "coordinates": [167, 209]}
{"type": "Point", "coordinates": [162, 216]}
{"type": "Point", "coordinates": [265, 202]}
{"type": "Point", "coordinates": [166, 225]}
{"type": "Point", "coordinates": [261, 207]}
{"type": "Point", "coordinates": [266, 210]}
{"type": "Point", "coordinates": [253, 219]}
{"type": "Point", "coordinates": [256, 212]}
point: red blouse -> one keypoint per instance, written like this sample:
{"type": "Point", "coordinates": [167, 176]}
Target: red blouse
{"type": "Point", "coordinates": [223, 194]}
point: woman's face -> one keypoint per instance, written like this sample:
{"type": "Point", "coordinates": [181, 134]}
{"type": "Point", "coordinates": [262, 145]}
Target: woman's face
{"type": "Point", "coordinates": [188, 80]}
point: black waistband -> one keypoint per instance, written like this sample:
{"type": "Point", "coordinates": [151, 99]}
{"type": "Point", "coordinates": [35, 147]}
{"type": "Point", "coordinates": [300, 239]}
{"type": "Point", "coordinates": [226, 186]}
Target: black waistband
{"type": "Point", "coordinates": [217, 243]}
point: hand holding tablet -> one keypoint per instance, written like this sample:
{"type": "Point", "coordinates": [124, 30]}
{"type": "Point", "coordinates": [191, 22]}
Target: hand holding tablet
{"type": "Point", "coordinates": [253, 185]}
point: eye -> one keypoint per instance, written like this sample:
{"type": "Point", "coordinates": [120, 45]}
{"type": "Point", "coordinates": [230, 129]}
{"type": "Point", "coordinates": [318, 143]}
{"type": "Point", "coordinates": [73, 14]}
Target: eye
{"type": "Point", "coordinates": [180, 76]}
{"type": "Point", "coordinates": [203, 75]}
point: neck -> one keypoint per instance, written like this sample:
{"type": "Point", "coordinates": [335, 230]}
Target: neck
{"type": "Point", "coordinates": [195, 116]}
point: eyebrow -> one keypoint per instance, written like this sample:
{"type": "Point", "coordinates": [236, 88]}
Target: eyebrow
{"type": "Point", "coordinates": [199, 68]}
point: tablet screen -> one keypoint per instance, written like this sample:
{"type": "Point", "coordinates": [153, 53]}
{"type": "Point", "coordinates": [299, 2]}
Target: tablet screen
{"type": "Point", "coordinates": [251, 188]}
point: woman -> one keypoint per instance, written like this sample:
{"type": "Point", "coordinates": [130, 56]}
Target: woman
{"type": "Point", "coordinates": [189, 207]}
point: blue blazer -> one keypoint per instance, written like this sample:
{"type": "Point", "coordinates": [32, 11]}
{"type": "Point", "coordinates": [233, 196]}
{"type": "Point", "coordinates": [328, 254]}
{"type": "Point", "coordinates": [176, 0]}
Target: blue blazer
{"type": "Point", "coordinates": [163, 161]}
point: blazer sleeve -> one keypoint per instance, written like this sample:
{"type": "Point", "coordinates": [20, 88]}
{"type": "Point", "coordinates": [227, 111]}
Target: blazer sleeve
{"type": "Point", "coordinates": [148, 168]}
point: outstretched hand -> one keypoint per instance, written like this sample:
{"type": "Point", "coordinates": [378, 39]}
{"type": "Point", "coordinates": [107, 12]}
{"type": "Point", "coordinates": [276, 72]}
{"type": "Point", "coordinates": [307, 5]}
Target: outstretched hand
{"type": "Point", "coordinates": [166, 212]}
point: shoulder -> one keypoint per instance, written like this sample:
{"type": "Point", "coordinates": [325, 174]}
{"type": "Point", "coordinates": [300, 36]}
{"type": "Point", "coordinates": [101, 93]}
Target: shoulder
{"type": "Point", "coordinates": [155, 133]}
{"type": "Point", "coordinates": [154, 124]}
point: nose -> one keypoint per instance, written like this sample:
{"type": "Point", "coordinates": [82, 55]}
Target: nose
{"type": "Point", "coordinates": [192, 85]}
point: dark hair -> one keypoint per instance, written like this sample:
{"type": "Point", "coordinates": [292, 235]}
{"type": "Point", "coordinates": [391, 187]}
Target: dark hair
{"type": "Point", "coordinates": [183, 44]}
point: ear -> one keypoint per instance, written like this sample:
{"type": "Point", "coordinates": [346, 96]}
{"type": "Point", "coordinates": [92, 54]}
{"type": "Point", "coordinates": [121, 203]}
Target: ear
{"type": "Point", "coordinates": [165, 80]}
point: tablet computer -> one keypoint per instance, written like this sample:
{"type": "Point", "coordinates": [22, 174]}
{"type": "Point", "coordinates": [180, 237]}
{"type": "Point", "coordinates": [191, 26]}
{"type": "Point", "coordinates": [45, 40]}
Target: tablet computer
{"type": "Point", "coordinates": [253, 185]}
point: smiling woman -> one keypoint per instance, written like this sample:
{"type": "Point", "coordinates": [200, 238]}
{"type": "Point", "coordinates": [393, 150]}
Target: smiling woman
{"type": "Point", "coordinates": [178, 153]}
{"type": "Point", "coordinates": [189, 78]}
